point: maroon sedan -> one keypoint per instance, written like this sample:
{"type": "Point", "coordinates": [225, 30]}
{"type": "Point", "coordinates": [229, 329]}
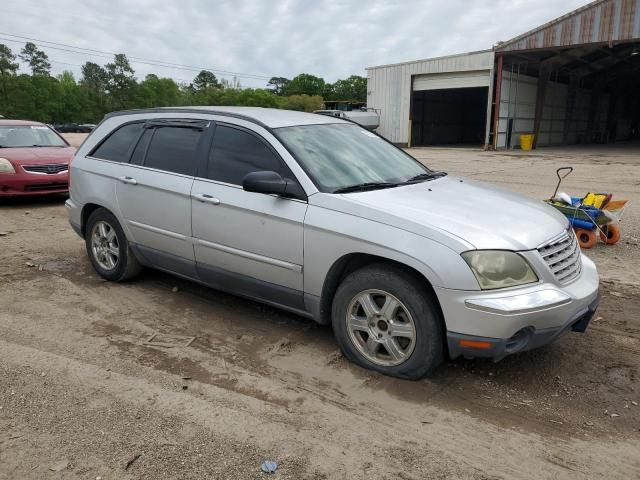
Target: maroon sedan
{"type": "Point", "coordinates": [34, 159]}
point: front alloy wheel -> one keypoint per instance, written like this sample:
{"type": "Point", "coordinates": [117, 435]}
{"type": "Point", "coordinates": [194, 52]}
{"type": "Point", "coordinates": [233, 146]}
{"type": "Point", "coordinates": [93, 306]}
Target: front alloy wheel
{"type": "Point", "coordinates": [381, 327]}
{"type": "Point", "coordinates": [385, 318]}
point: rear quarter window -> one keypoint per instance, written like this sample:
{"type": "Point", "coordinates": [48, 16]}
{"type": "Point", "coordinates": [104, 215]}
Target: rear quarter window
{"type": "Point", "coordinates": [118, 145]}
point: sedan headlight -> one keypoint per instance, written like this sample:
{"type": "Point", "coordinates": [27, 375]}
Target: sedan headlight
{"type": "Point", "coordinates": [6, 166]}
{"type": "Point", "coordinates": [499, 268]}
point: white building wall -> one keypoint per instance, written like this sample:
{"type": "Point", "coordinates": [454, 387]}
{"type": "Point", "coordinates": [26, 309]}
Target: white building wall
{"type": "Point", "coordinates": [389, 87]}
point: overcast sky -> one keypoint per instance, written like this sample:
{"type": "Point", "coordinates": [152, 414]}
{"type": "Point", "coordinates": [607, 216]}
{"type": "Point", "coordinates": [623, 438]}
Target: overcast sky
{"type": "Point", "coordinates": [263, 38]}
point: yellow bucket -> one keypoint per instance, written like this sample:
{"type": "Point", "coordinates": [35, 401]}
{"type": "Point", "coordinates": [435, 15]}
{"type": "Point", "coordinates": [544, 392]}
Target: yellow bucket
{"type": "Point", "coordinates": [526, 141]}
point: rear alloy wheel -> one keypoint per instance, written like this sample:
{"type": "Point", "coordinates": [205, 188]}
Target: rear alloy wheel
{"type": "Point", "coordinates": [108, 248]}
{"type": "Point", "coordinates": [385, 318]}
{"type": "Point", "coordinates": [104, 245]}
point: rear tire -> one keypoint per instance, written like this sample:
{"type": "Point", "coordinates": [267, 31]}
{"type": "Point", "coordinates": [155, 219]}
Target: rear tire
{"type": "Point", "coordinates": [384, 319]}
{"type": "Point", "coordinates": [586, 238]}
{"type": "Point", "coordinates": [108, 248]}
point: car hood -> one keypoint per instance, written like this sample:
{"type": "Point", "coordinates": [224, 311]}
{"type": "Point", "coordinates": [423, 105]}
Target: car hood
{"type": "Point", "coordinates": [474, 213]}
{"type": "Point", "coordinates": [37, 155]}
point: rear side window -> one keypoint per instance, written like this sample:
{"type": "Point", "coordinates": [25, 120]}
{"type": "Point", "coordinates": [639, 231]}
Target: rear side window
{"type": "Point", "coordinates": [173, 149]}
{"type": "Point", "coordinates": [117, 147]}
{"type": "Point", "coordinates": [235, 153]}
{"type": "Point", "coordinates": [137, 157]}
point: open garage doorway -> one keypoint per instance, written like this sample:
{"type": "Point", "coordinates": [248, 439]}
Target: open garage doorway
{"type": "Point", "coordinates": [449, 116]}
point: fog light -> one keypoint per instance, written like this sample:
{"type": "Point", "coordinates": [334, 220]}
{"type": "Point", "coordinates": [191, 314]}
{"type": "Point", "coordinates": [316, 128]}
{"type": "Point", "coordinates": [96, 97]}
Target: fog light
{"type": "Point", "coordinates": [519, 340]}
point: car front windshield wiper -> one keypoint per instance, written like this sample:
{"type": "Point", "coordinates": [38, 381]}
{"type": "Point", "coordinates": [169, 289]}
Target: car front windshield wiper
{"type": "Point", "coordinates": [422, 177]}
{"type": "Point", "coordinates": [362, 187]}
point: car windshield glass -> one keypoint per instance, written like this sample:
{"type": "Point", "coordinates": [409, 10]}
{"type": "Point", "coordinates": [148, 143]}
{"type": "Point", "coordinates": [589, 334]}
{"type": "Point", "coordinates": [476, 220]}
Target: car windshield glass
{"type": "Point", "coordinates": [341, 157]}
{"type": "Point", "coordinates": [29, 136]}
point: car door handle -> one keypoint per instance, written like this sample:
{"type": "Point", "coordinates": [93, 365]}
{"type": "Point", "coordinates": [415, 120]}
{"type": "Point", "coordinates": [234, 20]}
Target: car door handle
{"type": "Point", "coordinates": [206, 198]}
{"type": "Point", "coordinates": [129, 180]}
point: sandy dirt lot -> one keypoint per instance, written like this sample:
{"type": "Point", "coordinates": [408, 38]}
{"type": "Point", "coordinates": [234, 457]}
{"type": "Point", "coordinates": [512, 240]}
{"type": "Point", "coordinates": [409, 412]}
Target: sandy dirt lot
{"type": "Point", "coordinates": [83, 396]}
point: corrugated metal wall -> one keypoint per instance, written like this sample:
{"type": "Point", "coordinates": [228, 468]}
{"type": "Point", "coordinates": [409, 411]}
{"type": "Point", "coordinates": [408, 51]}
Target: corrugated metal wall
{"type": "Point", "coordinates": [599, 22]}
{"type": "Point", "coordinates": [518, 103]}
{"type": "Point", "coordinates": [389, 87]}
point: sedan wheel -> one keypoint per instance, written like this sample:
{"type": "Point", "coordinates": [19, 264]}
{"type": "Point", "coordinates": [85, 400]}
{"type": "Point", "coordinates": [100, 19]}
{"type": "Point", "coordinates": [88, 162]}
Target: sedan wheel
{"type": "Point", "coordinates": [104, 245]}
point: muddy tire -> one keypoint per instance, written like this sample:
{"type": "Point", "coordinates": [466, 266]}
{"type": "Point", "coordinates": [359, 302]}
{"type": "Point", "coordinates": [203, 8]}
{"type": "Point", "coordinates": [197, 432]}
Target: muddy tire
{"type": "Point", "coordinates": [385, 319]}
{"type": "Point", "coordinates": [108, 248]}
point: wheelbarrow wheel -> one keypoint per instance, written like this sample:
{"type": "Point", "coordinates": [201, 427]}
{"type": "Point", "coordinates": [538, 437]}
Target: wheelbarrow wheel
{"type": "Point", "coordinates": [610, 234]}
{"type": "Point", "coordinates": [586, 238]}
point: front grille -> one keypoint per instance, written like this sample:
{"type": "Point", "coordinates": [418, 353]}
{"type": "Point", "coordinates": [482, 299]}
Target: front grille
{"type": "Point", "coordinates": [49, 169]}
{"type": "Point", "coordinates": [46, 186]}
{"type": "Point", "coordinates": [563, 257]}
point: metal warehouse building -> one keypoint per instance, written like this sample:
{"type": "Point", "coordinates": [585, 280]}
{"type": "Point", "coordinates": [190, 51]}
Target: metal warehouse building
{"type": "Point", "coordinates": [573, 80]}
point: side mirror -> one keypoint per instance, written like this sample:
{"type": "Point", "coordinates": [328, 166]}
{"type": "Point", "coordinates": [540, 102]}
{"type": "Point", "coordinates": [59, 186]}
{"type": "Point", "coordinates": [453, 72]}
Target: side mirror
{"type": "Point", "coordinates": [272, 183]}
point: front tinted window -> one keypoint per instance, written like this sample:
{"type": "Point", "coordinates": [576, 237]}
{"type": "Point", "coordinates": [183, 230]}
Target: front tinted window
{"type": "Point", "coordinates": [337, 156]}
{"type": "Point", "coordinates": [117, 146]}
{"type": "Point", "coordinates": [235, 153]}
{"type": "Point", "coordinates": [173, 149]}
{"type": "Point", "coordinates": [29, 136]}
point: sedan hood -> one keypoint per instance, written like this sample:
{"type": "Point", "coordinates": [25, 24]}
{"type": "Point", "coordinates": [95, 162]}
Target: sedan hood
{"type": "Point", "coordinates": [481, 215]}
{"type": "Point", "coordinates": [38, 155]}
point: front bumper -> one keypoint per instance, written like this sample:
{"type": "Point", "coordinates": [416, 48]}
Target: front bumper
{"type": "Point", "coordinates": [29, 184]}
{"type": "Point", "coordinates": [495, 324]}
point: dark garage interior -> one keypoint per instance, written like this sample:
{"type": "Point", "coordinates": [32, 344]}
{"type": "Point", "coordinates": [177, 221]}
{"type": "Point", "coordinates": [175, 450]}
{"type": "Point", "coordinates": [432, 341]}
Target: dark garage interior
{"type": "Point", "coordinates": [454, 116]}
{"type": "Point", "coordinates": [607, 76]}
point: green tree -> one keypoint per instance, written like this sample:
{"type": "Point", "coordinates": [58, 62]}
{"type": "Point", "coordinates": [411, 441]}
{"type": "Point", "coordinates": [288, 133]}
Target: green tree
{"type": "Point", "coordinates": [158, 92]}
{"type": "Point", "coordinates": [303, 103]}
{"type": "Point", "coordinates": [121, 82]}
{"type": "Point", "coordinates": [8, 67]}
{"type": "Point", "coordinates": [37, 60]}
{"type": "Point", "coordinates": [352, 88]}
{"type": "Point", "coordinates": [205, 79]}
{"type": "Point", "coordinates": [305, 84]}
{"type": "Point", "coordinates": [94, 77]}
{"type": "Point", "coordinates": [278, 84]}
{"type": "Point", "coordinates": [93, 90]}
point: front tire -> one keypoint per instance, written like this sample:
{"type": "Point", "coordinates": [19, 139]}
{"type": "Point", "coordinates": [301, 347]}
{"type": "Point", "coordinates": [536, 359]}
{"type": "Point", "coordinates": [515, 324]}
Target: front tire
{"type": "Point", "coordinates": [108, 248]}
{"type": "Point", "coordinates": [385, 319]}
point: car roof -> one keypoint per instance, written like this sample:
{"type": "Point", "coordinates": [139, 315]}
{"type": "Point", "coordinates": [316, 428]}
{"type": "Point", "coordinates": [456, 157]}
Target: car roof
{"type": "Point", "coordinates": [268, 117]}
{"type": "Point", "coordinates": [14, 123]}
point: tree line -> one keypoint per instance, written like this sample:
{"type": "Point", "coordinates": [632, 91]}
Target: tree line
{"type": "Point", "coordinates": [38, 95]}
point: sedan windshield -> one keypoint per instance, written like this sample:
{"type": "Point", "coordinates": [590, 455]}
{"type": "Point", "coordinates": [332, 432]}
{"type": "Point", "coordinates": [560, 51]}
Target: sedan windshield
{"type": "Point", "coordinates": [14, 136]}
{"type": "Point", "coordinates": [340, 158]}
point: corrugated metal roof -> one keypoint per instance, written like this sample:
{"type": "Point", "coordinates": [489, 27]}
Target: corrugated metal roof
{"type": "Point", "coordinates": [602, 21]}
{"type": "Point", "coordinates": [432, 59]}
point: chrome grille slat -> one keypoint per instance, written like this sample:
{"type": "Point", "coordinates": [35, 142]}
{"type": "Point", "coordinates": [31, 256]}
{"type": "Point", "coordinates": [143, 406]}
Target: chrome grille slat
{"type": "Point", "coordinates": [552, 250]}
{"type": "Point", "coordinates": [562, 256]}
{"type": "Point", "coordinates": [49, 169]}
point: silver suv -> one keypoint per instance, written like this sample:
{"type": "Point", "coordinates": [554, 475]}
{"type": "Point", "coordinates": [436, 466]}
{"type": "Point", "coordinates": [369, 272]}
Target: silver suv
{"type": "Point", "coordinates": [321, 217]}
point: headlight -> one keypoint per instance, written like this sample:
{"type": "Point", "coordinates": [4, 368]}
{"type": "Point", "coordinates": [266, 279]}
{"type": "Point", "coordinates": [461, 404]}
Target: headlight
{"type": "Point", "coordinates": [499, 268]}
{"type": "Point", "coordinates": [6, 166]}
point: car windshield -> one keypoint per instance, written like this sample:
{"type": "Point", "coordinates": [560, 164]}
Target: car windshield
{"type": "Point", "coordinates": [13, 136]}
{"type": "Point", "coordinates": [339, 157]}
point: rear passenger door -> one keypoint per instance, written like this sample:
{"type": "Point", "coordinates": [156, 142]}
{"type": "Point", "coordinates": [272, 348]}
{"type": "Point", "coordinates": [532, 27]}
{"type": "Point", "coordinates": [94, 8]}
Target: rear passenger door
{"type": "Point", "coordinates": [153, 192]}
{"type": "Point", "coordinates": [247, 242]}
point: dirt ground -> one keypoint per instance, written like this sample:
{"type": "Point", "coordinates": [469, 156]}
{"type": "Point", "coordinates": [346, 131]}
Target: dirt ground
{"type": "Point", "coordinates": [84, 395]}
